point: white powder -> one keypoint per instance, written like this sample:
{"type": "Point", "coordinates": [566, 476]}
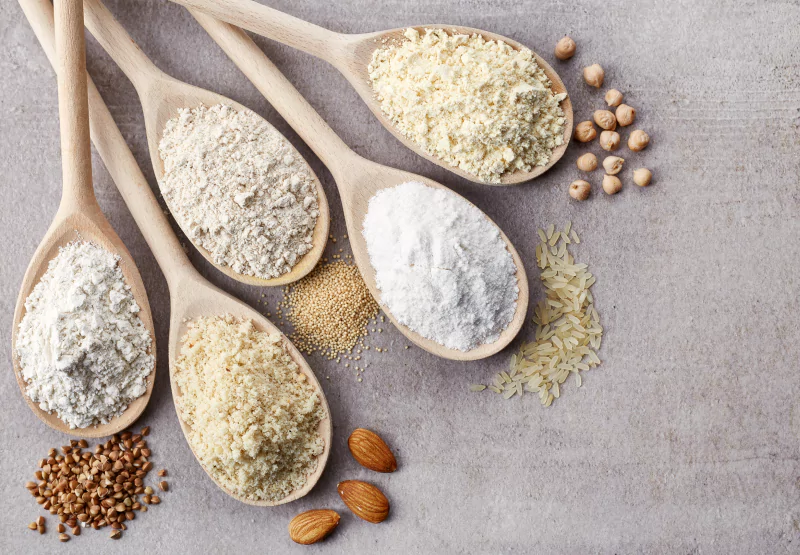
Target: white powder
{"type": "Point", "coordinates": [479, 105]}
{"type": "Point", "coordinates": [442, 268]}
{"type": "Point", "coordinates": [238, 189]}
{"type": "Point", "coordinates": [83, 350]}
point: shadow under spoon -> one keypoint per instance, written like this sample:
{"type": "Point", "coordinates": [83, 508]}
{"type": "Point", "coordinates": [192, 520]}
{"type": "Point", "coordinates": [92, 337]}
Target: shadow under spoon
{"type": "Point", "coordinates": [191, 296]}
{"type": "Point", "coordinates": [79, 217]}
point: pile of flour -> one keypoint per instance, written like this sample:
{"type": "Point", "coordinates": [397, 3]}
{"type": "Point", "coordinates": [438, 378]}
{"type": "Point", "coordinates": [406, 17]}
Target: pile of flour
{"type": "Point", "coordinates": [84, 352]}
{"type": "Point", "coordinates": [442, 268]}
{"type": "Point", "coordinates": [238, 189]}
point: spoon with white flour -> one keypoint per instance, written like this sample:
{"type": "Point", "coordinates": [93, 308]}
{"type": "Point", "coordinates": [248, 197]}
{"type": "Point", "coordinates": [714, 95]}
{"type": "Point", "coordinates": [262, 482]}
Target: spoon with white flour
{"type": "Point", "coordinates": [358, 179]}
{"type": "Point", "coordinates": [352, 55]}
{"type": "Point", "coordinates": [191, 296]}
{"type": "Point", "coordinates": [79, 218]}
{"type": "Point", "coordinates": [162, 97]}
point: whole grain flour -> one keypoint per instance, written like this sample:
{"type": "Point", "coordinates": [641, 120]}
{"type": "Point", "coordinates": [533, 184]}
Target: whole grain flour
{"type": "Point", "coordinates": [84, 352]}
{"type": "Point", "coordinates": [238, 189]}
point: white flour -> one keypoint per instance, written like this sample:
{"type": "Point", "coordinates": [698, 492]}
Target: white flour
{"type": "Point", "coordinates": [238, 189]}
{"type": "Point", "coordinates": [442, 268]}
{"type": "Point", "coordinates": [83, 350]}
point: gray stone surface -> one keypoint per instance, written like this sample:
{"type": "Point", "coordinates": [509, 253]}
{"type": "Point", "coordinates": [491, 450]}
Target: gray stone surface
{"type": "Point", "coordinates": [685, 440]}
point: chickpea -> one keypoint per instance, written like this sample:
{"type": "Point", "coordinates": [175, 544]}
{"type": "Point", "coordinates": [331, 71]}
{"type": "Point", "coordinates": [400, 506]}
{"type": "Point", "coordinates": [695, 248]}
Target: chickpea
{"type": "Point", "coordinates": [580, 189]}
{"type": "Point", "coordinates": [565, 48]}
{"type": "Point", "coordinates": [609, 140]}
{"type": "Point", "coordinates": [611, 184]}
{"type": "Point", "coordinates": [638, 140]}
{"type": "Point", "coordinates": [642, 177]}
{"type": "Point", "coordinates": [587, 162]}
{"type": "Point", "coordinates": [594, 75]}
{"type": "Point", "coordinates": [605, 119]}
{"type": "Point", "coordinates": [613, 97]}
{"type": "Point", "coordinates": [625, 115]}
{"type": "Point", "coordinates": [585, 132]}
{"type": "Point", "coordinates": [613, 165]}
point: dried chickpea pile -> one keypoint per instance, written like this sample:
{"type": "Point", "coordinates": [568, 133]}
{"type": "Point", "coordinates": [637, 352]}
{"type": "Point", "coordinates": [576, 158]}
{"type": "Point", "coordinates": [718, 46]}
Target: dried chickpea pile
{"type": "Point", "coordinates": [610, 140]}
{"type": "Point", "coordinates": [96, 488]}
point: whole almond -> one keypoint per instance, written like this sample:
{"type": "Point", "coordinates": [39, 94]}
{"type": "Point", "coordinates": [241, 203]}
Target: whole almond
{"type": "Point", "coordinates": [313, 526]}
{"type": "Point", "coordinates": [370, 451]}
{"type": "Point", "coordinates": [365, 500]}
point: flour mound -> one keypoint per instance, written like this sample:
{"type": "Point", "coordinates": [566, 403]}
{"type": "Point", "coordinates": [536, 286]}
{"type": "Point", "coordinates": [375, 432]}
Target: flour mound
{"type": "Point", "coordinates": [442, 268]}
{"type": "Point", "coordinates": [83, 350]}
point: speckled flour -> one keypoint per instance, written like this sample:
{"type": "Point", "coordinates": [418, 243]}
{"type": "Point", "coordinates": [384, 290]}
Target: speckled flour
{"type": "Point", "coordinates": [238, 189]}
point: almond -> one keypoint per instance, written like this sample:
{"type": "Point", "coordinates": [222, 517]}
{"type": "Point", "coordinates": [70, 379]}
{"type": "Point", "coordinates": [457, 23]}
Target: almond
{"type": "Point", "coordinates": [365, 500]}
{"type": "Point", "coordinates": [370, 451]}
{"type": "Point", "coordinates": [312, 526]}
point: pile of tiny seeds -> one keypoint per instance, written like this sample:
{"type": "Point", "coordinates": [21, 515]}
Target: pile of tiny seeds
{"type": "Point", "coordinates": [95, 489]}
{"type": "Point", "coordinates": [329, 310]}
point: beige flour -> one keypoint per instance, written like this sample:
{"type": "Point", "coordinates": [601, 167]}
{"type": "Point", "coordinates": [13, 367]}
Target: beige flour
{"type": "Point", "coordinates": [238, 189]}
{"type": "Point", "coordinates": [253, 416]}
{"type": "Point", "coordinates": [479, 105]}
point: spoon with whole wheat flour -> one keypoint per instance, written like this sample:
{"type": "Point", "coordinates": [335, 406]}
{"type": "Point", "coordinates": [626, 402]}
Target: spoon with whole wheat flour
{"type": "Point", "coordinates": [357, 178]}
{"type": "Point", "coordinates": [79, 217]}
{"type": "Point", "coordinates": [162, 96]}
{"type": "Point", "coordinates": [351, 54]}
{"type": "Point", "coordinates": [191, 296]}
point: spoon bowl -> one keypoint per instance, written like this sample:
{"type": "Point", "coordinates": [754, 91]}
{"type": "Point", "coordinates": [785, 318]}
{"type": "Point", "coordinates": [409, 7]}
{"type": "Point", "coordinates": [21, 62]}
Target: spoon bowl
{"type": "Point", "coordinates": [79, 217]}
{"type": "Point", "coordinates": [162, 96]}
{"type": "Point", "coordinates": [352, 54]}
{"type": "Point", "coordinates": [357, 179]}
{"type": "Point", "coordinates": [191, 295]}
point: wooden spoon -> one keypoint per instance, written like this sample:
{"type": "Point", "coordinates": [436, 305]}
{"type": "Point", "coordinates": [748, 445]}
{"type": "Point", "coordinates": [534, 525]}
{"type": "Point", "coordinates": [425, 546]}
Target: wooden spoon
{"type": "Point", "coordinates": [191, 295]}
{"type": "Point", "coordinates": [79, 217]}
{"type": "Point", "coordinates": [161, 97]}
{"type": "Point", "coordinates": [352, 54]}
{"type": "Point", "coordinates": [358, 179]}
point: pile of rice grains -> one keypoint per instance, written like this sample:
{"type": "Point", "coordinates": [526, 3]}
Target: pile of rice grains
{"type": "Point", "coordinates": [331, 312]}
{"type": "Point", "coordinates": [568, 331]}
{"type": "Point", "coordinates": [104, 486]}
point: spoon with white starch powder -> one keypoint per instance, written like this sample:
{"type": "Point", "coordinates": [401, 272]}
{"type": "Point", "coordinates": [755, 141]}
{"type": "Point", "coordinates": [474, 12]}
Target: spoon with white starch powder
{"type": "Point", "coordinates": [82, 341]}
{"type": "Point", "coordinates": [444, 273]}
{"type": "Point", "coordinates": [243, 195]}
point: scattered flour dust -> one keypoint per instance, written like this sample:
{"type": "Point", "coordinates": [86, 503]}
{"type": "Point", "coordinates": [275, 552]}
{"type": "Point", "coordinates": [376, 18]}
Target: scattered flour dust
{"type": "Point", "coordinates": [238, 189]}
{"type": "Point", "coordinates": [442, 268]}
{"type": "Point", "coordinates": [478, 105]}
{"type": "Point", "coordinates": [83, 350]}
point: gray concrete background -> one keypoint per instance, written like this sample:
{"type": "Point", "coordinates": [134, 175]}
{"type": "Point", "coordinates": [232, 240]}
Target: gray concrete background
{"type": "Point", "coordinates": [685, 440]}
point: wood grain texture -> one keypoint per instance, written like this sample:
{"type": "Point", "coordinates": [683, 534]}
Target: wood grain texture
{"type": "Point", "coordinates": [79, 217]}
{"type": "Point", "coordinates": [357, 178]}
{"type": "Point", "coordinates": [161, 97]}
{"type": "Point", "coordinates": [352, 54]}
{"type": "Point", "coordinates": [191, 296]}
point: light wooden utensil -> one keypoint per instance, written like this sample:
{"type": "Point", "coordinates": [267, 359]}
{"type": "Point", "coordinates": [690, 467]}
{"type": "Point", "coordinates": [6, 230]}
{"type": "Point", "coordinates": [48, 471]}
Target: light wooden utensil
{"type": "Point", "coordinates": [161, 97]}
{"type": "Point", "coordinates": [358, 179]}
{"type": "Point", "coordinates": [352, 54]}
{"type": "Point", "coordinates": [79, 217]}
{"type": "Point", "coordinates": [191, 295]}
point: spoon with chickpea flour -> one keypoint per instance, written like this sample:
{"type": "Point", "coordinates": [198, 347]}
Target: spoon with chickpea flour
{"type": "Point", "coordinates": [162, 96]}
{"type": "Point", "coordinates": [191, 296]}
{"type": "Point", "coordinates": [79, 217]}
{"type": "Point", "coordinates": [357, 178]}
{"type": "Point", "coordinates": [352, 55]}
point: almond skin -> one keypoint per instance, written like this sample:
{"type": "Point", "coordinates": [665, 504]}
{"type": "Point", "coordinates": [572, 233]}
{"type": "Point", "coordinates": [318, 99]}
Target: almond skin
{"type": "Point", "coordinates": [365, 500]}
{"type": "Point", "coordinates": [370, 451]}
{"type": "Point", "coordinates": [313, 526]}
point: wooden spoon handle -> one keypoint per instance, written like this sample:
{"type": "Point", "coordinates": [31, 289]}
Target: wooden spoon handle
{"type": "Point", "coordinates": [73, 106]}
{"type": "Point", "coordinates": [269, 80]}
{"type": "Point", "coordinates": [120, 46]}
{"type": "Point", "coordinates": [119, 160]}
{"type": "Point", "coordinates": [276, 25]}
